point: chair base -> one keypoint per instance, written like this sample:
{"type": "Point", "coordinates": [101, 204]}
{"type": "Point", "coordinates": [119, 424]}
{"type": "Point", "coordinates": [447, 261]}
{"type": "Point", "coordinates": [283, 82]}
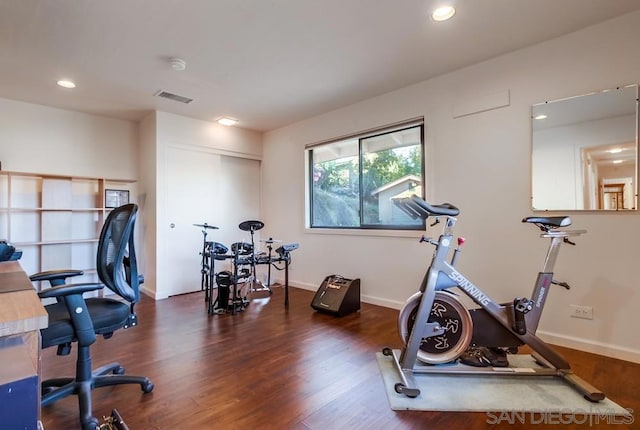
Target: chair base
{"type": "Point", "coordinates": [111, 374]}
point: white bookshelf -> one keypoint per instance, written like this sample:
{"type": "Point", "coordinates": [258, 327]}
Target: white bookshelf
{"type": "Point", "coordinates": [55, 220]}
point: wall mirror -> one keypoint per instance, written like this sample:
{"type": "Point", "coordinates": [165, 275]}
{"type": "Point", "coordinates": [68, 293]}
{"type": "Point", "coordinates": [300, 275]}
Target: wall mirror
{"type": "Point", "coordinates": [585, 152]}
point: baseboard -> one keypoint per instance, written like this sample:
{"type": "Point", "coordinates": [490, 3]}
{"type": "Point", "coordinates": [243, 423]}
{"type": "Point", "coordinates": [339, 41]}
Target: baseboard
{"type": "Point", "coordinates": [393, 304]}
{"type": "Point", "coordinates": [599, 348]}
{"type": "Point", "coordinates": [608, 350]}
{"type": "Point", "coordinates": [296, 284]}
{"type": "Point", "coordinates": [386, 303]}
{"type": "Point", "coordinates": [151, 293]}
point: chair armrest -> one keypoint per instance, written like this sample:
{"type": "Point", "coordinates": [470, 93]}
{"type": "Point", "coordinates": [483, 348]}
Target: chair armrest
{"type": "Point", "coordinates": [69, 289]}
{"type": "Point", "coordinates": [71, 296]}
{"type": "Point", "coordinates": [53, 275]}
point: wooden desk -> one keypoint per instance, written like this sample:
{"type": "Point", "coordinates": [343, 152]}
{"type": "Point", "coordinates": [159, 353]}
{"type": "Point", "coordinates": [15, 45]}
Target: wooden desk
{"type": "Point", "coordinates": [21, 318]}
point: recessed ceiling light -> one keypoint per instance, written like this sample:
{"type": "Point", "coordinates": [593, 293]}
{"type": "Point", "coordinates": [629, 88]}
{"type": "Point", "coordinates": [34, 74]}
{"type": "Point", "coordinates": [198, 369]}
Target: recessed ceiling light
{"type": "Point", "coordinates": [227, 121]}
{"type": "Point", "coordinates": [66, 84]}
{"type": "Point", "coordinates": [542, 116]}
{"type": "Point", "coordinates": [617, 161]}
{"type": "Point", "coordinates": [615, 151]}
{"type": "Point", "coordinates": [443, 13]}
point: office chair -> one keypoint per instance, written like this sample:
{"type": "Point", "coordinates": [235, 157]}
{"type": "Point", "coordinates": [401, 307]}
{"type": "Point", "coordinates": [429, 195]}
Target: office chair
{"type": "Point", "coordinates": [75, 319]}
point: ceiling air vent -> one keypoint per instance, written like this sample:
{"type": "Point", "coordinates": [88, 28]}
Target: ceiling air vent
{"type": "Point", "coordinates": [174, 97]}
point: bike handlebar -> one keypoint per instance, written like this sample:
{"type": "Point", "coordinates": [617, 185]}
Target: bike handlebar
{"type": "Point", "coordinates": [416, 207]}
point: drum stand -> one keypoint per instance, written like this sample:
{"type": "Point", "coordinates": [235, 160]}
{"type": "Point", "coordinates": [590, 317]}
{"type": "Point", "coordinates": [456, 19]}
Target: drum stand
{"type": "Point", "coordinates": [238, 302]}
{"type": "Point", "coordinates": [252, 227]}
{"type": "Point", "coordinates": [284, 254]}
{"type": "Point", "coordinates": [270, 259]}
{"type": "Point", "coordinates": [206, 266]}
{"type": "Point", "coordinates": [270, 248]}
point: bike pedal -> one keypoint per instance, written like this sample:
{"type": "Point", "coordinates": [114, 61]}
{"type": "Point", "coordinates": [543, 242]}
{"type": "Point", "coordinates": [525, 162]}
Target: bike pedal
{"type": "Point", "coordinates": [523, 305]}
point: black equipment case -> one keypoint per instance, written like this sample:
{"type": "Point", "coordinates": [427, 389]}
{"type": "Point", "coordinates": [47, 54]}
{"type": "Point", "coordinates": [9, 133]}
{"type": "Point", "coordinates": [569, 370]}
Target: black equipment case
{"type": "Point", "coordinates": [337, 295]}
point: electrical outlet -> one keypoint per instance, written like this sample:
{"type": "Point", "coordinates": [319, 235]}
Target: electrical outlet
{"type": "Point", "coordinates": [577, 311]}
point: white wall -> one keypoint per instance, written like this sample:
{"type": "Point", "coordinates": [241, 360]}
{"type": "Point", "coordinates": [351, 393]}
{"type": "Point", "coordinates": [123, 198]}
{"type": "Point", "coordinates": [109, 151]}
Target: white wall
{"type": "Point", "coordinates": [557, 161]}
{"type": "Point", "coordinates": [148, 252]}
{"type": "Point", "coordinates": [461, 154]}
{"type": "Point", "coordinates": [44, 140]}
{"type": "Point", "coordinates": [177, 131]}
{"type": "Point", "coordinates": [481, 163]}
{"type": "Point", "coordinates": [40, 139]}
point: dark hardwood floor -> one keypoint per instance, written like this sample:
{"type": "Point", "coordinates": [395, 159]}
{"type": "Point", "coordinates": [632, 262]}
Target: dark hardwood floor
{"type": "Point", "coordinates": [273, 368]}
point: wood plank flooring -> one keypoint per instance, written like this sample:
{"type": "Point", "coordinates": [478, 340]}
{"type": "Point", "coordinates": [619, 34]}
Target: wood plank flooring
{"type": "Point", "coordinates": [273, 368]}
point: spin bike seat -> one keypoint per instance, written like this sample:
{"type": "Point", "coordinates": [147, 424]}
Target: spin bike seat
{"type": "Point", "coordinates": [416, 207]}
{"type": "Point", "coordinates": [552, 221]}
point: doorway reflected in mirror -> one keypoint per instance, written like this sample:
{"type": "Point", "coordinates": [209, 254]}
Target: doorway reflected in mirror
{"type": "Point", "coordinates": [585, 151]}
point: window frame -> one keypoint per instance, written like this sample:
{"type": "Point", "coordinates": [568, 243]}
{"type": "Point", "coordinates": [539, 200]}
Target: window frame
{"type": "Point", "coordinates": [380, 131]}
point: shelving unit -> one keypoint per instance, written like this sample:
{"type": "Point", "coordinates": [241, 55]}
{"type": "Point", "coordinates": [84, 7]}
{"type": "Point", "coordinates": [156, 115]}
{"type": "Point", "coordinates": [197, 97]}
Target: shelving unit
{"type": "Point", "coordinates": [54, 219]}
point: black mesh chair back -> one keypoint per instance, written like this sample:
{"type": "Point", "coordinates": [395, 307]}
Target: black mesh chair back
{"type": "Point", "coordinates": [116, 261]}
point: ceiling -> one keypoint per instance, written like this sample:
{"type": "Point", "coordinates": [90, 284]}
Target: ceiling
{"type": "Point", "coordinates": [621, 103]}
{"type": "Point", "coordinates": [598, 105]}
{"type": "Point", "coordinates": [267, 63]}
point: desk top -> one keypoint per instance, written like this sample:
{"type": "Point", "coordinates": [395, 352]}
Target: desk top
{"type": "Point", "coordinates": [20, 309]}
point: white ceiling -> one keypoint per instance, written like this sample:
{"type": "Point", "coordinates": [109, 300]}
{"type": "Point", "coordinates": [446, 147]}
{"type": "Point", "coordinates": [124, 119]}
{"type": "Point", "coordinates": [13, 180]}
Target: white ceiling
{"type": "Point", "coordinates": [598, 105]}
{"type": "Point", "coordinates": [267, 63]}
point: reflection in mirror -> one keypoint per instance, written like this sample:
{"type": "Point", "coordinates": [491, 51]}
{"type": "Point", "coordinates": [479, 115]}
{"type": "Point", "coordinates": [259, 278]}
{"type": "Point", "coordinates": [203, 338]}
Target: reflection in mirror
{"type": "Point", "coordinates": [584, 152]}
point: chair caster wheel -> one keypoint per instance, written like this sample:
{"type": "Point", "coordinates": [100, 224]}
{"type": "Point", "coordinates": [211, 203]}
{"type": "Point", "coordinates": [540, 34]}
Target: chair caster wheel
{"type": "Point", "coordinates": [148, 387]}
{"type": "Point", "coordinates": [90, 424]}
{"type": "Point", "coordinates": [387, 352]}
{"type": "Point", "coordinates": [119, 370]}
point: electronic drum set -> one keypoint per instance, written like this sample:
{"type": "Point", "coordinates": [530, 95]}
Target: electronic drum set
{"type": "Point", "coordinates": [234, 286]}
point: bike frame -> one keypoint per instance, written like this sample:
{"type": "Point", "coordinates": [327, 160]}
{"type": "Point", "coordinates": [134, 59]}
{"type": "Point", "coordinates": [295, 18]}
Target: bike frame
{"type": "Point", "coordinates": [442, 275]}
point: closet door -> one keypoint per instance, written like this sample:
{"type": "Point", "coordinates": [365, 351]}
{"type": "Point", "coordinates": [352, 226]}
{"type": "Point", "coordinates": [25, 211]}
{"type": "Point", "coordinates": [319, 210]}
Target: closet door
{"type": "Point", "coordinates": [203, 187]}
{"type": "Point", "coordinates": [239, 198]}
{"type": "Point", "coordinates": [192, 182]}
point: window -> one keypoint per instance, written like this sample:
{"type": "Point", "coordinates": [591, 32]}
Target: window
{"type": "Point", "coordinates": [354, 181]}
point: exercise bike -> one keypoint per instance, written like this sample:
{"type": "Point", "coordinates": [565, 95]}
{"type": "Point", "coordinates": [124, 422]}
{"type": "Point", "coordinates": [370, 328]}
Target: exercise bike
{"type": "Point", "coordinates": [436, 327]}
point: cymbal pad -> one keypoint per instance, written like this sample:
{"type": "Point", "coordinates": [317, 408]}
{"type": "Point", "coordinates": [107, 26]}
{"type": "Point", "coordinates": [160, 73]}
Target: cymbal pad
{"type": "Point", "coordinates": [251, 225]}
{"type": "Point", "coordinates": [206, 226]}
{"type": "Point", "coordinates": [270, 240]}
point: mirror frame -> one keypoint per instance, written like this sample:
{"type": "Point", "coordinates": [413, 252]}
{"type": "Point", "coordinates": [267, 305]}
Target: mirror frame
{"type": "Point", "coordinates": [586, 187]}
